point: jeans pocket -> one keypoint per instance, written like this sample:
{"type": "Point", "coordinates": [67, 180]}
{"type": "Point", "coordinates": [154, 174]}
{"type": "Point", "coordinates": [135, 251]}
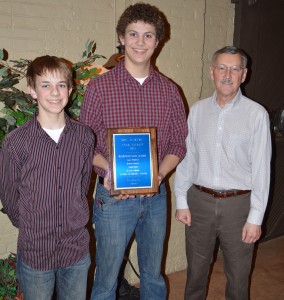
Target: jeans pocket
{"type": "Point", "coordinates": [102, 198]}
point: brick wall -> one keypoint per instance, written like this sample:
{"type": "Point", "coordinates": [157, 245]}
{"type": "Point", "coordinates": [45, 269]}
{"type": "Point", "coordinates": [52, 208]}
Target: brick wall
{"type": "Point", "coordinates": [30, 28]}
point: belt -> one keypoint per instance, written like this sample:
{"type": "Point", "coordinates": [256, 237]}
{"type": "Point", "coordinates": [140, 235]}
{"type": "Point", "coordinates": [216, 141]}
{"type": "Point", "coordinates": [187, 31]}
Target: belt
{"type": "Point", "coordinates": [221, 193]}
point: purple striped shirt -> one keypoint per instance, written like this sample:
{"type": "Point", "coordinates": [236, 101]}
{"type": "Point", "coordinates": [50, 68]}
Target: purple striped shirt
{"type": "Point", "coordinates": [116, 99]}
{"type": "Point", "coordinates": [43, 187]}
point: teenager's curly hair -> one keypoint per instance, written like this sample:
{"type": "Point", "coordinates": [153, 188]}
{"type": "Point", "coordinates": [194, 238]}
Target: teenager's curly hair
{"type": "Point", "coordinates": [142, 12]}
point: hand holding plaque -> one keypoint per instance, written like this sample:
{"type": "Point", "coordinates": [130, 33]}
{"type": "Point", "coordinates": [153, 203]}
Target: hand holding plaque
{"type": "Point", "coordinates": [133, 160]}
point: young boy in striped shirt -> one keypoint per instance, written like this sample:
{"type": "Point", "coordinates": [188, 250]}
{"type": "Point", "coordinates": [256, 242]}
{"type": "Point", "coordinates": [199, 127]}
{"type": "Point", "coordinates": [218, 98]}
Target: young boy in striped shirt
{"type": "Point", "coordinates": [45, 168]}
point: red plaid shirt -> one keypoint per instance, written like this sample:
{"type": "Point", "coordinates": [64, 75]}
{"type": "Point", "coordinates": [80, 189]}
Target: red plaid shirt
{"type": "Point", "coordinates": [116, 99]}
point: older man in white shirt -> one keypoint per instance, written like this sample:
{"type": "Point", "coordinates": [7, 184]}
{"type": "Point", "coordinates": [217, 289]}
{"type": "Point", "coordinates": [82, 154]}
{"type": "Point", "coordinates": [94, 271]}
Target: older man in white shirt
{"type": "Point", "coordinates": [222, 184]}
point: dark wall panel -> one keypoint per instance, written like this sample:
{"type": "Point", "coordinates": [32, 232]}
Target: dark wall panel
{"type": "Point", "coordinates": [259, 30]}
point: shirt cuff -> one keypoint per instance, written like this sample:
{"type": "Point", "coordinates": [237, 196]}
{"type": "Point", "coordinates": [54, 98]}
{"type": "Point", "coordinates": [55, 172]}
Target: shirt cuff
{"type": "Point", "coordinates": [255, 217]}
{"type": "Point", "coordinates": [181, 202]}
{"type": "Point", "coordinates": [100, 172]}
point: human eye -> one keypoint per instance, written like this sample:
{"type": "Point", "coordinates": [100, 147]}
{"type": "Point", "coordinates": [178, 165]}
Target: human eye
{"type": "Point", "coordinates": [63, 85]}
{"type": "Point", "coordinates": [45, 85]}
{"type": "Point", "coordinates": [236, 69]}
{"type": "Point", "coordinates": [149, 35]}
{"type": "Point", "coordinates": [132, 33]}
{"type": "Point", "coordinates": [221, 68]}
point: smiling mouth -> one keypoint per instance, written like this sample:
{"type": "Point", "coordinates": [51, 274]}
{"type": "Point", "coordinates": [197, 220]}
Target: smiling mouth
{"type": "Point", "coordinates": [139, 50]}
{"type": "Point", "coordinates": [54, 101]}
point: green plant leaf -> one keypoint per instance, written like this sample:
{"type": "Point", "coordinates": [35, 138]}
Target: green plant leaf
{"type": "Point", "coordinates": [7, 82]}
{"type": "Point", "coordinates": [3, 72]}
{"type": "Point", "coordinates": [12, 292]}
{"type": "Point", "coordinates": [29, 111]}
{"type": "Point", "coordinates": [10, 120]}
{"type": "Point", "coordinates": [3, 122]}
{"type": "Point", "coordinates": [8, 280]}
{"type": "Point", "coordinates": [84, 53]}
{"type": "Point", "coordinates": [11, 272]}
{"type": "Point", "coordinates": [84, 74]}
{"type": "Point", "coordinates": [11, 128]}
{"type": "Point", "coordinates": [21, 63]}
{"type": "Point", "coordinates": [10, 102]}
{"type": "Point", "coordinates": [90, 45]}
{"type": "Point", "coordinates": [81, 88]}
{"type": "Point", "coordinates": [2, 292]}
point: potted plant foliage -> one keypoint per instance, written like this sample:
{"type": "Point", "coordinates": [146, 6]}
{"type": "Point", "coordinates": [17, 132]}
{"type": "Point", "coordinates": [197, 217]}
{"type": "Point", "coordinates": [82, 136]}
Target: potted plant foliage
{"type": "Point", "coordinates": [8, 281]}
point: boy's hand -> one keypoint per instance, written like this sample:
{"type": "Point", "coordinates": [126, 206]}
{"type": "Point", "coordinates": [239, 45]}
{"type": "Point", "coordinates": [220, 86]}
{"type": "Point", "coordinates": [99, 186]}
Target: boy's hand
{"type": "Point", "coordinates": [118, 197]}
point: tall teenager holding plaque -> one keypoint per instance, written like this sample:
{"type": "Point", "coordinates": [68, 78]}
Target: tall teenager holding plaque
{"type": "Point", "coordinates": [134, 95]}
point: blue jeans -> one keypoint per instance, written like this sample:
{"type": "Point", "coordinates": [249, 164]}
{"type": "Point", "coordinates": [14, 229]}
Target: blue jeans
{"type": "Point", "coordinates": [70, 282]}
{"type": "Point", "coordinates": [115, 222]}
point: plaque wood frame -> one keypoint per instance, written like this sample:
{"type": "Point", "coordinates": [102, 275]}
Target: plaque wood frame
{"type": "Point", "coordinates": [153, 161]}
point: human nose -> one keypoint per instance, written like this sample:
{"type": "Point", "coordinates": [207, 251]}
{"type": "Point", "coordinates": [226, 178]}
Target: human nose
{"type": "Point", "coordinates": [140, 40]}
{"type": "Point", "coordinates": [228, 71]}
{"type": "Point", "coordinates": [55, 91]}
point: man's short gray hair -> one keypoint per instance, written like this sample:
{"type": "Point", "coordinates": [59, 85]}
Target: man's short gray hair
{"type": "Point", "coordinates": [231, 50]}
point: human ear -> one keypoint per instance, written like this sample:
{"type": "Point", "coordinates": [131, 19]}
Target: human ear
{"type": "Point", "coordinates": [32, 92]}
{"type": "Point", "coordinates": [211, 73]}
{"type": "Point", "coordinates": [244, 75]}
{"type": "Point", "coordinates": [121, 39]}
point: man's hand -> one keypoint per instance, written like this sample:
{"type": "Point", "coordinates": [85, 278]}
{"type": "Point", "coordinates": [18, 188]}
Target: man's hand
{"type": "Point", "coordinates": [251, 233]}
{"type": "Point", "coordinates": [184, 216]}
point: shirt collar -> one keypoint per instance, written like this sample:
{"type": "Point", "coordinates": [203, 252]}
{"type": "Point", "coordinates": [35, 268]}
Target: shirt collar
{"type": "Point", "coordinates": [124, 75]}
{"type": "Point", "coordinates": [231, 104]}
{"type": "Point", "coordinates": [36, 128]}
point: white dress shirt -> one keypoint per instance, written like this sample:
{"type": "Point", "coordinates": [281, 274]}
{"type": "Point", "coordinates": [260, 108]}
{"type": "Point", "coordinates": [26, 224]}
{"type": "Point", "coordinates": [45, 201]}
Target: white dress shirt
{"type": "Point", "coordinates": [227, 148]}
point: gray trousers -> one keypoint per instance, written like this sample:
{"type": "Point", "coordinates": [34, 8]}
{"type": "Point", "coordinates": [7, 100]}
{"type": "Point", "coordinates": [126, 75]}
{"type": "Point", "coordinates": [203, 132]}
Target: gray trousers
{"type": "Point", "coordinates": [212, 218]}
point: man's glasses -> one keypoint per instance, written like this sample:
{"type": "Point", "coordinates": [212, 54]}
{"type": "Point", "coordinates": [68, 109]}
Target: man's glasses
{"type": "Point", "coordinates": [223, 69]}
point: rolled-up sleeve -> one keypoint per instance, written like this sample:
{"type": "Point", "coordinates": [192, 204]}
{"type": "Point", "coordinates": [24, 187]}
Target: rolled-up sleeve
{"type": "Point", "coordinates": [179, 130]}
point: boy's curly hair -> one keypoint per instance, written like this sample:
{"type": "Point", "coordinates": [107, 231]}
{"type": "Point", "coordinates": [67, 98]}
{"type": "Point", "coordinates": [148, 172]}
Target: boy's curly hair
{"type": "Point", "coordinates": [142, 12]}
